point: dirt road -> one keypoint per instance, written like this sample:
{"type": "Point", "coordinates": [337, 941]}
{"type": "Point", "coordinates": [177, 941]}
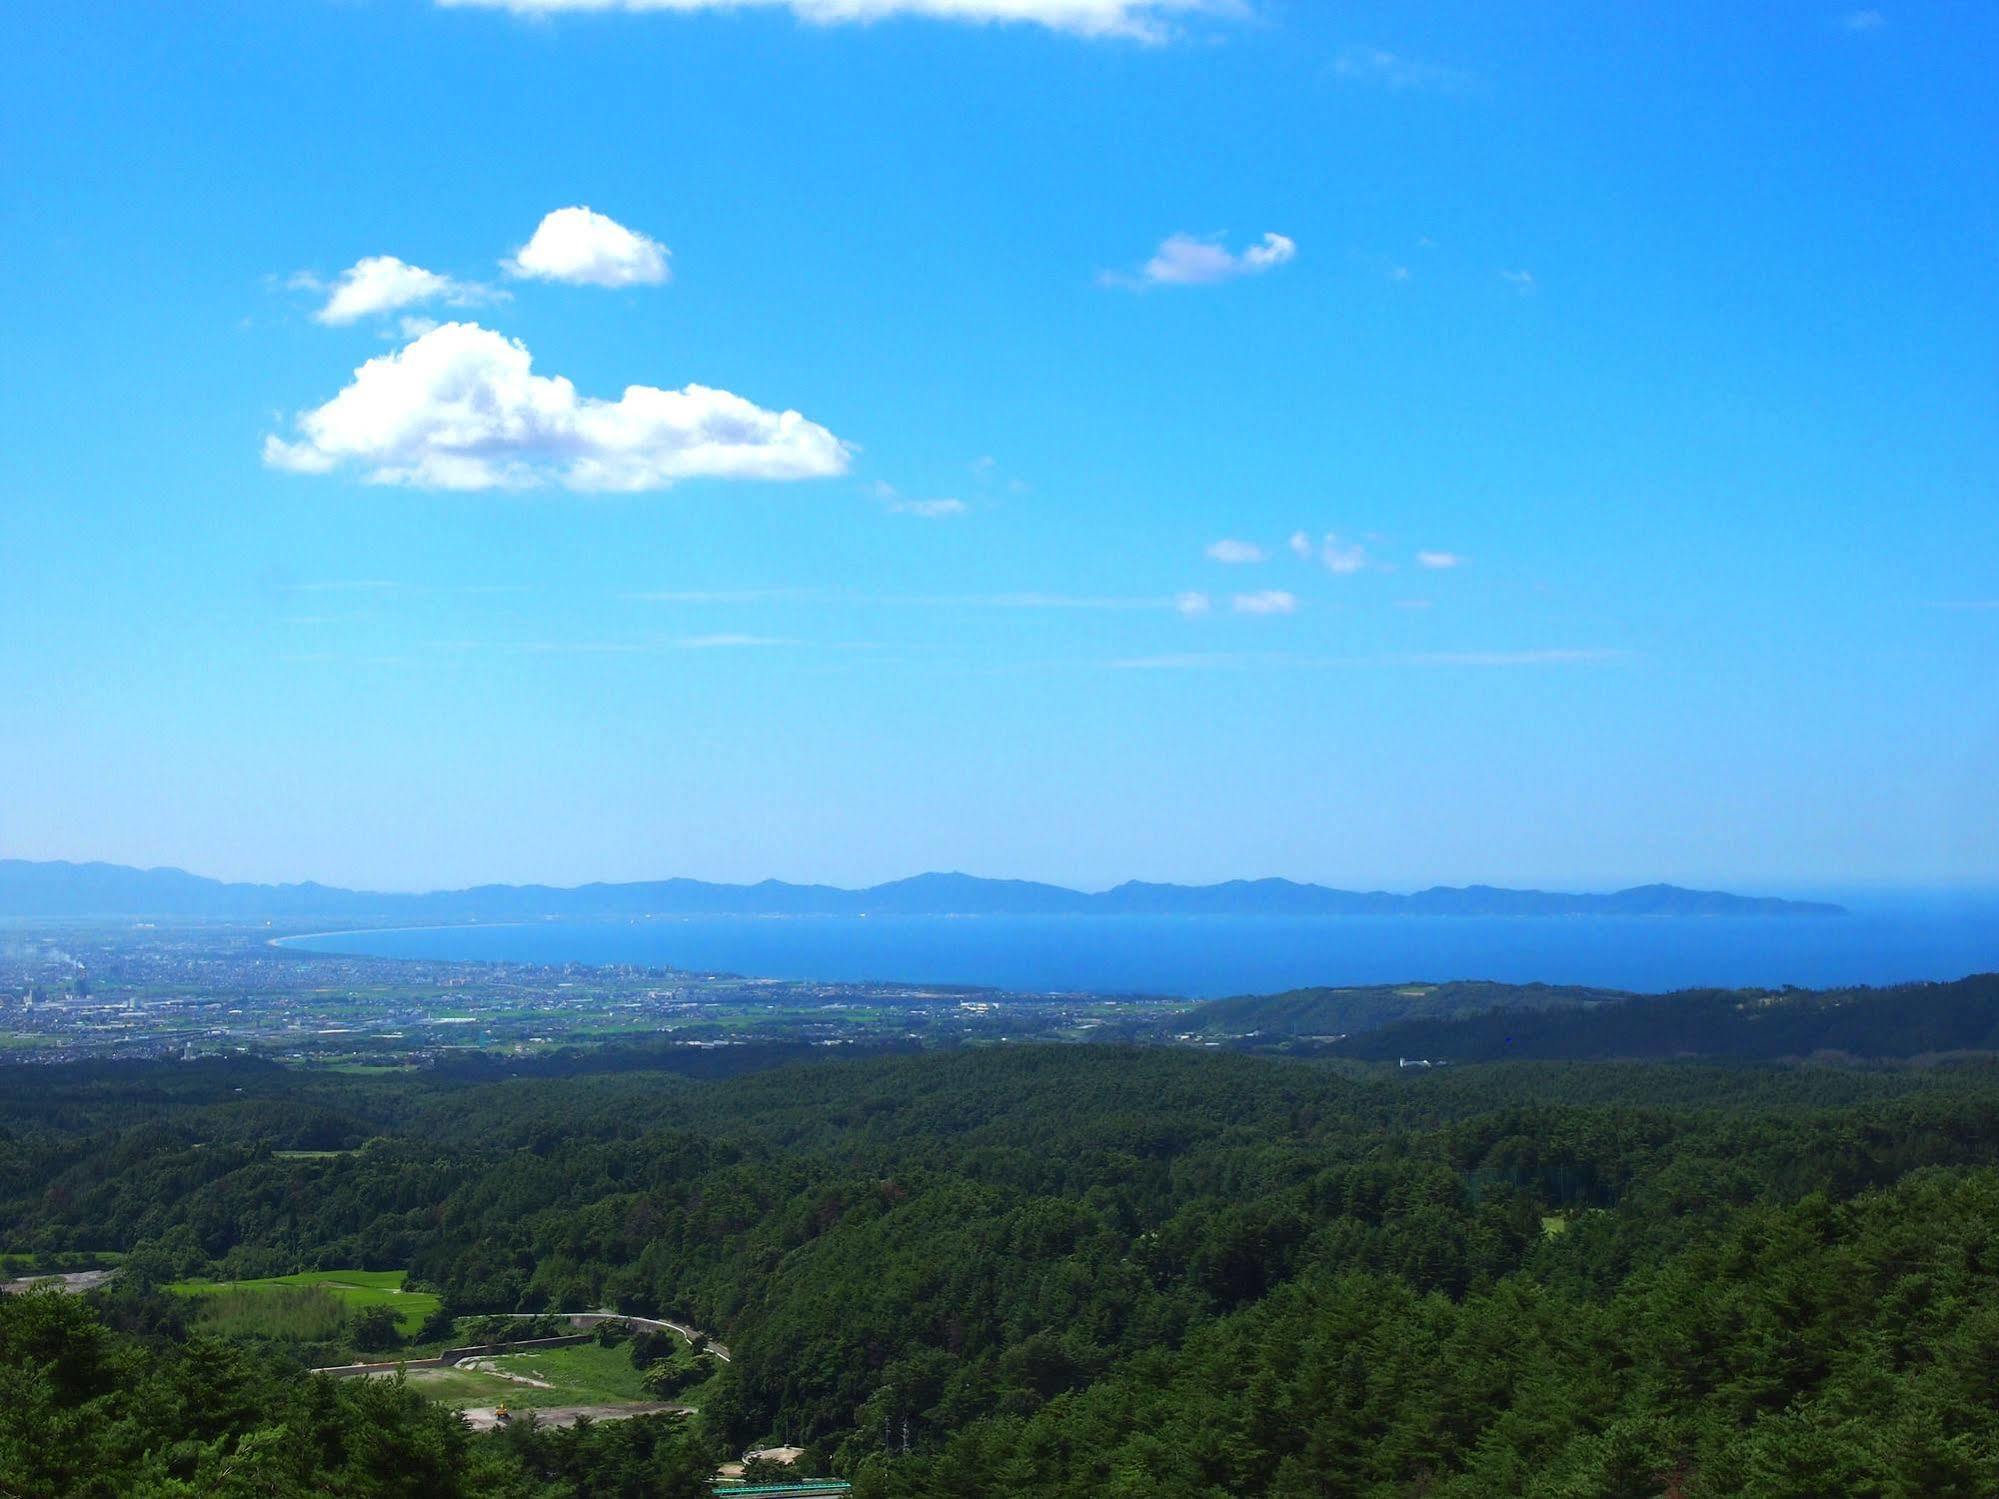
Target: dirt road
{"type": "Point", "coordinates": [486, 1417]}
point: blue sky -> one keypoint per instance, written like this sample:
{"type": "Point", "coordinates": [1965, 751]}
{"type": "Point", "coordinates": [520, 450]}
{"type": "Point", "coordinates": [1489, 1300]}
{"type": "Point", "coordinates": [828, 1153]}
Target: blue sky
{"type": "Point", "coordinates": [1667, 336]}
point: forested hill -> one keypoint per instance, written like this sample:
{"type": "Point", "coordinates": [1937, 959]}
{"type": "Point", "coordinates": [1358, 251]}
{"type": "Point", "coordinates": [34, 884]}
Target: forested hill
{"type": "Point", "coordinates": [1328, 1013]}
{"type": "Point", "coordinates": [1905, 1020]}
{"type": "Point", "coordinates": [59, 889]}
{"type": "Point", "coordinates": [1064, 1271]}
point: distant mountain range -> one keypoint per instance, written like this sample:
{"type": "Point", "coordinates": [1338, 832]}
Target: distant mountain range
{"type": "Point", "coordinates": [29, 889]}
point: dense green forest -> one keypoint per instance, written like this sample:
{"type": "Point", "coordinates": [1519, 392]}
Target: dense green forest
{"type": "Point", "coordinates": [1050, 1270]}
{"type": "Point", "coordinates": [1902, 1020]}
{"type": "Point", "coordinates": [1326, 1012]}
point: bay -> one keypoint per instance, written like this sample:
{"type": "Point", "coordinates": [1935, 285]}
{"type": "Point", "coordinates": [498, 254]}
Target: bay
{"type": "Point", "coordinates": [1883, 939]}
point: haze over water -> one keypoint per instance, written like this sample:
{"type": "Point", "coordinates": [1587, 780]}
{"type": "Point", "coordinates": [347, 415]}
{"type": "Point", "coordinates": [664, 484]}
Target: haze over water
{"type": "Point", "coordinates": [1882, 939]}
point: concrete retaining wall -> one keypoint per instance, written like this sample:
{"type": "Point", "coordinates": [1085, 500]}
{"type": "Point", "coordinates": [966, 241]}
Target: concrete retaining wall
{"type": "Point", "coordinates": [452, 1356]}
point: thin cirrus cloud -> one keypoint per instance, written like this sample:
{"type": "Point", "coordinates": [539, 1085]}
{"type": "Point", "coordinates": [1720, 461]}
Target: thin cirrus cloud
{"type": "Point", "coordinates": [897, 503]}
{"type": "Point", "coordinates": [1230, 550]}
{"type": "Point", "coordinates": [1022, 600]}
{"type": "Point", "coordinates": [1481, 660]}
{"type": "Point", "coordinates": [1439, 561]}
{"type": "Point", "coordinates": [1137, 20]}
{"type": "Point", "coordinates": [586, 248]}
{"type": "Point", "coordinates": [1191, 260]}
{"type": "Point", "coordinates": [1561, 657]}
{"type": "Point", "coordinates": [1192, 605]}
{"type": "Point", "coordinates": [380, 284]}
{"type": "Point", "coordinates": [1381, 68]}
{"type": "Point", "coordinates": [461, 408]}
{"type": "Point", "coordinates": [1342, 557]}
{"type": "Point", "coordinates": [1266, 601]}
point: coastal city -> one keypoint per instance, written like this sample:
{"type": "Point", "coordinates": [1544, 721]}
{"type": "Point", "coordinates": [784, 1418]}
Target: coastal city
{"type": "Point", "coordinates": [103, 990]}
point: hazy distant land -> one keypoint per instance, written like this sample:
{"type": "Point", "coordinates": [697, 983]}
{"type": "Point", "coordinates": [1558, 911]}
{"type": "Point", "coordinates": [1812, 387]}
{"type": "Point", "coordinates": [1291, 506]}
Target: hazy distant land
{"type": "Point", "coordinates": [62, 889]}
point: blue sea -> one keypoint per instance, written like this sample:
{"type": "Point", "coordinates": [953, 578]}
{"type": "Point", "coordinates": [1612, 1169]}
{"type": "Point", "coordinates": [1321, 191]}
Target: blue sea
{"type": "Point", "coordinates": [1884, 938]}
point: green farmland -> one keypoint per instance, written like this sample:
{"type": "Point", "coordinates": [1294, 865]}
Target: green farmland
{"type": "Point", "coordinates": [309, 1306]}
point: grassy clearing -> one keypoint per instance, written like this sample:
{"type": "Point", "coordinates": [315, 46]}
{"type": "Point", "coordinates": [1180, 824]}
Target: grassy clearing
{"type": "Point", "coordinates": [1554, 1225]}
{"type": "Point", "coordinates": [583, 1375]}
{"type": "Point", "coordinates": [351, 1291]}
{"type": "Point", "coordinates": [304, 1314]}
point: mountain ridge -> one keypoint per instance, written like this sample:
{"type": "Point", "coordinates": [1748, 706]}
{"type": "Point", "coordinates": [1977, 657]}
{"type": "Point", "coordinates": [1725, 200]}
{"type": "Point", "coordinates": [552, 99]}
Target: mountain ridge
{"type": "Point", "coordinates": [60, 888]}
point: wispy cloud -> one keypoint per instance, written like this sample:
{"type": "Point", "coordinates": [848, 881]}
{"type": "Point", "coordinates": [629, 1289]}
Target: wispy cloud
{"type": "Point", "coordinates": [725, 641]}
{"type": "Point", "coordinates": [1342, 557]}
{"type": "Point", "coordinates": [1336, 554]}
{"type": "Point", "coordinates": [1134, 20]}
{"type": "Point", "coordinates": [1044, 601]}
{"type": "Point", "coordinates": [1438, 561]}
{"type": "Point", "coordinates": [1863, 20]}
{"type": "Point", "coordinates": [1183, 661]}
{"type": "Point", "coordinates": [896, 504]}
{"type": "Point", "coordinates": [1190, 260]}
{"type": "Point", "coordinates": [1505, 658]}
{"type": "Point", "coordinates": [1266, 601]}
{"type": "Point", "coordinates": [732, 595]}
{"type": "Point", "coordinates": [1391, 70]}
{"type": "Point", "coordinates": [1522, 282]}
{"type": "Point", "coordinates": [1019, 600]}
{"type": "Point", "coordinates": [1283, 660]}
{"type": "Point", "coordinates": [1193, 605]}
{"type": "Point", "coordinates": [1228, 549]}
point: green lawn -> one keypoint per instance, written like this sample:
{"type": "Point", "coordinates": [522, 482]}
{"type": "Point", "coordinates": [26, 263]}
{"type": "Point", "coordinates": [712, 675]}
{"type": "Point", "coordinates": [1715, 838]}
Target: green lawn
{"type": "Point", "coordinates": [237, 1300]}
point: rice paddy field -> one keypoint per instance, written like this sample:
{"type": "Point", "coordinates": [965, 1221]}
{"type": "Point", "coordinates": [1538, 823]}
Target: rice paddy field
{"type": "Point", "coordinates": [310, 1307]}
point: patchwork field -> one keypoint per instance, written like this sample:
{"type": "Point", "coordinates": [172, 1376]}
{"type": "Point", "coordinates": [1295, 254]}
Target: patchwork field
{"type": "Point", "coordinates": [310, 1306]}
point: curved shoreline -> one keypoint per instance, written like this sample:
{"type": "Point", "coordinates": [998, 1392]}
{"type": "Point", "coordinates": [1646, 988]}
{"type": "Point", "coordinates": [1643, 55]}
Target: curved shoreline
{"type": "Point", "coordinates": [364, 931]}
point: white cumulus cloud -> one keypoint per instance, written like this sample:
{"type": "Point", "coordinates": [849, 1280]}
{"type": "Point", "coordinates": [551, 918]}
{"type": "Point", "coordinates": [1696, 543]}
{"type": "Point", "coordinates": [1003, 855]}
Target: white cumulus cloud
{"type": "Point", "coordinates": [585, 248]}
{"type": "Point", "coordinates": [461, 408]}
{"type": "Point", "coordinates": [1228, 549]}
{"type": "Point", "coordinates": [381, 283]}
{"type": "Point", "coordinates": [1268, 601]}
{"type": "Point", "coordinates": [1142, 20]}
{"type": "Point", "coordinates": [1189, 260]}
{"type": "Point", "coordinates": [1300, 544]}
